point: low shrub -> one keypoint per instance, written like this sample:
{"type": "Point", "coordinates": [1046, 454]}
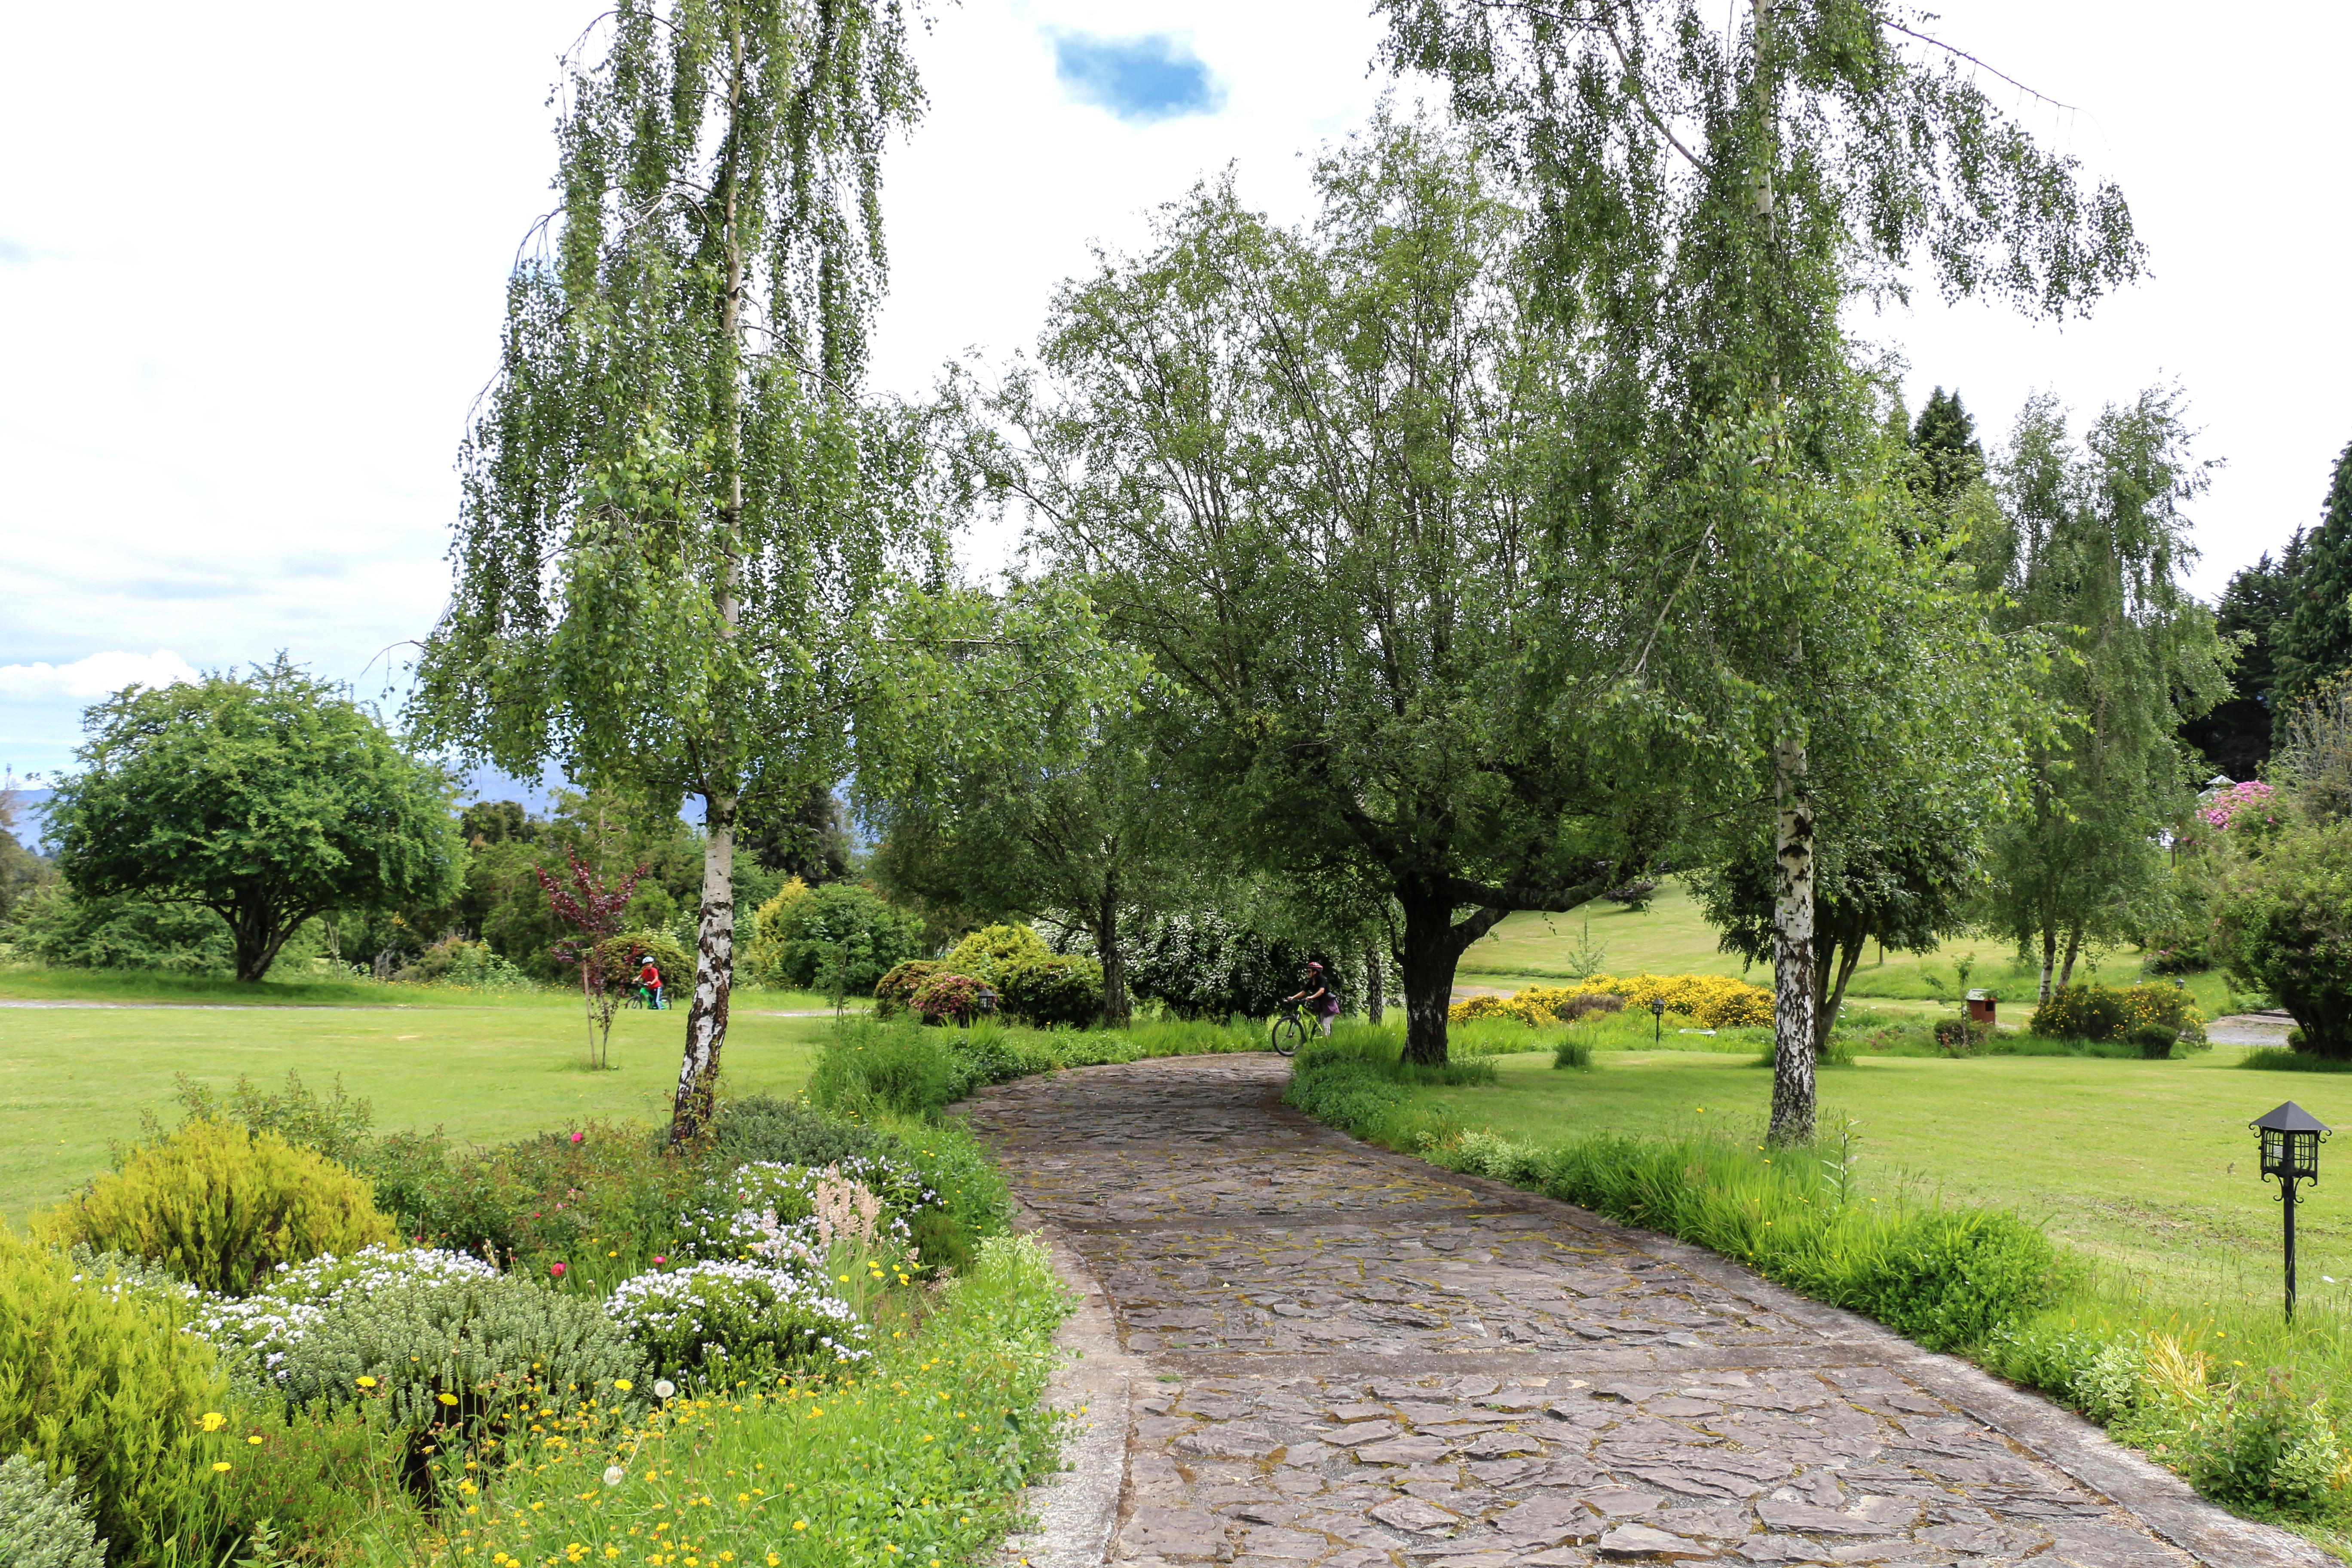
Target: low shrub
{"type": "Point", "coordinates": [45, 1526]}
{"type": "Point", "coordinates": [732, 1219]}
{"type": "Point", "coordinates": [760, 1127]}
{"type": "Point", "coordinates": [2281, 1059]}
{"type": "Point", "coordinates": [1716, 1001]}
{"type": "Point", "coordinates": [621, 957]}
{"type": "Point", "coordinates": [726, 1320]}
{"type": "Point", "coordinates": [895, 990]}
{"type": "Point", "coordinates": [455, 1353]}
{"type": "Point", "coordinates": [2261, 1446]}
{"type": "Point", "coordinates": [1961, 1035]}
{"type": "Point", "coordinates": [1051, 990]}
{"type": "Point", "coordinates": [256, 1333]}
{"type": "Point", "coordinates": [870, 1068]}
{"type": "Point", "coordinates": [2085, 1010]}
{"type": "Point", "coordinates": [1572, 1053]}
{"type": "Point", "coordinates": [455, 960]}
{"type": "Point", "coordinates": [950, 998]}
{"type": "Point", "coordinates": [1945, 1278]}
{"type": "Point", "coordinates": [222, 1207]}
{"type": "Point", "coordinates": [101, 1384]}
{"type": "Point", "coordinates": [332, 1124]}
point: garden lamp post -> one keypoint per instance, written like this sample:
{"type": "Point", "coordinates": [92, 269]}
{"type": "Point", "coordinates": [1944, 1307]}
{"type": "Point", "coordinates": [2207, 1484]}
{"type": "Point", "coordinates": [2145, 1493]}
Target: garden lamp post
{"type": "Point", "coordinates": [1657, 1019]}
{"type": "Point", "coordinates": [2290, 1151]}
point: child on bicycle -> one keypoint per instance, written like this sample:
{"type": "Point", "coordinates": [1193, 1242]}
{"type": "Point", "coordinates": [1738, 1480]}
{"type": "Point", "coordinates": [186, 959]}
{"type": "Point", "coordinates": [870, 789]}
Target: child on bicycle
{"type": "Point", "coordinates": [649, 983]}
{"type": "Point", "coordinates": [1316, 993]}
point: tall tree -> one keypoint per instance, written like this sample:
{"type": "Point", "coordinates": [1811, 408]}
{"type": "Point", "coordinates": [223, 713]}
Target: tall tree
{"type": "Point", "coordinates": [2313, 639]}
{"type": "Point", "coordinates": [1327, 481]}
{"type": "Point", "coordinates": [2236, 735]}
{"type": "Point", "coordinates": [1945, 437]}
{"type": "Point", "coordinates": [690, 561]}
{"type": "Point", "coordinates": [1710, 203]}
{"type": "Point", "coordinates": [268, 800]}
{"type": "Point", "coordinates": [2099, 544]}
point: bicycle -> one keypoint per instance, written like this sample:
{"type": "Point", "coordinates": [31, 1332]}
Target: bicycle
{"type": "Point", "coordinates": [1290, 1030]}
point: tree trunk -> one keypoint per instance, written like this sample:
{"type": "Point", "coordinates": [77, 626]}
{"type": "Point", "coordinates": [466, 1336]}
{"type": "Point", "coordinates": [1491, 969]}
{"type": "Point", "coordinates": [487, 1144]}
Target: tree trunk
{"type": "Point", "coordinates": [1114, 962]}
{"type": "Point", "coordinates": [1792, 948]}
{"type": "Point", "coordinates": [2073, 950]}
{"type": "Point", "coordinates": [1429, 953]}
{"type": "Point", "coordinates": [2049, 958]}
{"type": "Point", "coordinates": [1373, 999]}
{"type": "Point", "coordinates": [714, 974]}
{"type": "Point", "coordinates": [1849, 958]}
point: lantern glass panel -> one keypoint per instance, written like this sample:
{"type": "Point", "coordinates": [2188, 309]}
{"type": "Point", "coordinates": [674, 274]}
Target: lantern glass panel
{"type": "Point", "coordinates": [2303, 1153]}
{"type": "Point", "coordinates": [2274, 1153]}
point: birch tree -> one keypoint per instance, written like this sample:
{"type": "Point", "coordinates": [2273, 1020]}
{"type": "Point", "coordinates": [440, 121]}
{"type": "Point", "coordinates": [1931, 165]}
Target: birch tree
{"type": "Point", "coordinates": [1711, 200]}
{"type": "Point", "coordinates": [692, 561]}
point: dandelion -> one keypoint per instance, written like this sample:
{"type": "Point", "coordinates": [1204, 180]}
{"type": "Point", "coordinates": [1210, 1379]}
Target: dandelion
{"type": "Point", "coordinates": [446, 1398]}
{"type": "Point", "coordinates": [623, 1385]}
{"type": "Point", "coordinates": [255, 1441]}
{"type": "Point", "coordinates": [367, 1383]}
{"type": "Point", "coordinates": [221, 1466]}
{"type": "Point", "coordinates": [663, 1388]}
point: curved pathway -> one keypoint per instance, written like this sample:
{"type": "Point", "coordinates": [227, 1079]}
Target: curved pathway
{"type": "Point", "coordinates": [1302, 1351]}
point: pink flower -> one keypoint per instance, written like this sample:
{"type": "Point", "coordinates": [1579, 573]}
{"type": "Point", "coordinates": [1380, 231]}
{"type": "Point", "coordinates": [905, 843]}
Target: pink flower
{"type": "Point", "coordinates": [577, 1136]}
{"type": "Point", "coordinates": [658, 1261]}
{"type": "Point", "coordinates": [556, 1269]}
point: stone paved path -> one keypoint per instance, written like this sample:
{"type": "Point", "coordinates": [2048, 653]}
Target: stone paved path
{"type": "Point", "coordinates": [1329, 1356]}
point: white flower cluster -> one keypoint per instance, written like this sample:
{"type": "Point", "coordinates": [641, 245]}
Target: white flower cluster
{"type": "Point", "coordinates": [695, 1313]}
{"type": "Point", "coordinates": [261, 1328]}
{"type": "Point", "coordinates": [762, 1195]}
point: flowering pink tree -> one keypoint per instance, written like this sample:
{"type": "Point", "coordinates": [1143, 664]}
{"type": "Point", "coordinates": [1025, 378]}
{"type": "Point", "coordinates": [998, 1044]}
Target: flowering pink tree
{"type": "Point", "coordinates": [591, 908]}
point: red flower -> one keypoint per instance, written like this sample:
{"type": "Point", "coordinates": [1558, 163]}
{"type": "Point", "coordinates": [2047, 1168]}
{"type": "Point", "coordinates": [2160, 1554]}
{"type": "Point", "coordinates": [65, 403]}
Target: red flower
{"type": "Point", "coordinates": [556, 1269]}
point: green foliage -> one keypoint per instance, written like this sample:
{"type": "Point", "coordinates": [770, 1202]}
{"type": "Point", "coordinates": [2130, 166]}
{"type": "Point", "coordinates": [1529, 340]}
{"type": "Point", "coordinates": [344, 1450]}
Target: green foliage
{"type": "Point", "coordinates": [221, 1207]}
{"type": "Point", "coordinates": [58, 926]}
{"type": "Point", "coordinates": [334, 1124]}
{"type": "Point", "coordinates": [843, 935]}
{"type": "Point", "coordinates": [2285, 917]}
{"type": "Point", "coordinates": [873, 1068]}
{"type": "Point", "coordinates": [104, 1385]}
{"type": "Point", "coordinates": [45, 1526]}
{"type": "Point", "coordinates": [985, 953]}
{"type": "Point", "coordinates": [267, 800]}
{"type": "Point", "coordinates": [1573, 1052]}
{"type": "Point", "coordinates": [471, 965]}
{"type": "Point", "coordinates": [1209, 964]}
{"type": "Point", "coordinates": [623, 957]}
{"type": "Point", "coordinates": [2313, 638]}
{"type": "Point", "coordinates": [320, 1475]}
{"type": "Point", "coordinates": [1051, 990]}
{"type": "Point", "coordinates": [2236, 735]}
{"type": "Point", "coordinates": [895, 990]}
{"type": "Point", "coordinates": [2286, 1058]}
{"type": "Point", "coordinates": [762, 1127]}
{"type": "Point", "coordinates": [2265, 1449]}
{"type": "Point", "coordinates": [456, 1353]}
{"type": "Point", "coordinates": [867, 1069]}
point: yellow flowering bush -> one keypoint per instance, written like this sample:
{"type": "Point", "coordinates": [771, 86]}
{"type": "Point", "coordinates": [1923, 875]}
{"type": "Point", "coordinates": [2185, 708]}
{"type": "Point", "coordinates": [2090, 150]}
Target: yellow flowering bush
{"type": "Point", "coordinates": [1717, 1001]}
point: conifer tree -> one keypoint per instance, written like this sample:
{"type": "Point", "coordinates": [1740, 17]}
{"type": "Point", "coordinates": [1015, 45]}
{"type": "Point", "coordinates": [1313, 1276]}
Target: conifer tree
{"type": "Point", "coordinates": [2315, 639]}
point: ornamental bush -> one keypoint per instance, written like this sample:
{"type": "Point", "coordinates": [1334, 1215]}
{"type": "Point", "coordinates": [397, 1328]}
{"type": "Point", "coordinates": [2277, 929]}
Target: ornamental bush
{"type": "Point", "coordinates": [45, 1526]}
{"type": "Point", "coordinates": [985, 953]}
{"type": "Point", "coordinates": [1051, 990]}
{"type": "Point", "coordinates": [760, 1127]}
{"type": "Point", "coordinates": [725, 1224]}
{"type": "Point", "coordinates": [947, 997]}
{"type": "Point", "coordinates": [2284, 922]}
{"type": "Point", "coordinates": [2085, 1010]}
{"type": "Point", "coordinates": [100, 1383]}
{"type": "Point", "coordinates": [620, 958]}
{"type": "Point", "coordinates": [729, 1320]}
{"type": "Point", "coordinates": [811, 938]}
{"type": "Point", "coordinates": [256, 1334]}
{"type": "Point", "coordinates": [222, 1208]}
{"type": "Point", "coordinates": [454, 1350]}
{"type": "Point", "coordinates": [1716, 1001]}
{"type": "Point", "coordinates": [895, 990]}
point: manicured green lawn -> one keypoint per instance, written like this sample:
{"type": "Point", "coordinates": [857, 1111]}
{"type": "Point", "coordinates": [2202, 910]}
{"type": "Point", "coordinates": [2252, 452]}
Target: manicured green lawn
{"type": "Point", "coordinates": [1671, 937]}
{"type": "Point", "coordinates": [2144, 1166]}
{"type": "Point", "coordinates": [73, 1078]}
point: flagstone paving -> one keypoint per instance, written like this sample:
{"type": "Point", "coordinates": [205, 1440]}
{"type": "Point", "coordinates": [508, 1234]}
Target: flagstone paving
{"type": "Point", "coordinates": [1329, 1356]}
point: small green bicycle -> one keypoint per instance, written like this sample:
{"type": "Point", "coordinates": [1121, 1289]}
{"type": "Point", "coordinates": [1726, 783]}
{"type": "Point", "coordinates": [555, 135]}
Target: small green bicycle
{"type": "Point", "coordinates": [1290, 1030]}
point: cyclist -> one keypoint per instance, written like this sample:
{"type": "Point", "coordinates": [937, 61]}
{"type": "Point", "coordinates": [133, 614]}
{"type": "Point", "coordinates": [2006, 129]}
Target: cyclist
{"type": "Point", "coordinates": [1316, 993]}
{"type": "Point", "coordinates": [649, 983]}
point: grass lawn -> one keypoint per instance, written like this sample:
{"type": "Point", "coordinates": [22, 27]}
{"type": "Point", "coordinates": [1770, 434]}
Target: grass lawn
{"type": "Point", "coordinates": [2143, 1166]}
{"type": "Point", "coordinates": [1671, 937]}
{"type": "Point", "coordinates": [73, 1078]}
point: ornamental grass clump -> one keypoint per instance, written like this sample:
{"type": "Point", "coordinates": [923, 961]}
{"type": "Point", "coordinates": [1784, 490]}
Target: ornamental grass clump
{"type": "Point", "coordinates": [221, 1207]}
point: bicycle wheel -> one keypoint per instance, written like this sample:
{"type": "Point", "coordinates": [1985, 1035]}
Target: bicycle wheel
{"type": "Point", "coordinates": [1290, 1034]}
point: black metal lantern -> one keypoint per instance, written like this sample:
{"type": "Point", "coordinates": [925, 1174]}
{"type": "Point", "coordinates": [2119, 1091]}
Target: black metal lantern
{"type": "Point", "coordinates": [1657, 1019]}
{"type": "Point", "coordinates": [2290, 1137]}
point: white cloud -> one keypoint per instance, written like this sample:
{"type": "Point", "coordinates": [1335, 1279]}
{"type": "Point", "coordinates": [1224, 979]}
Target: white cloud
{"type": "Point", "coordinates": [97, 676]}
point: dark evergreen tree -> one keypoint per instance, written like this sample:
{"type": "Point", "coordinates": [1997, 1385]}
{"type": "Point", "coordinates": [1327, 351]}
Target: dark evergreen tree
{"type": "Point", "coordinates": [2236, 735]}
{"type": "Point", "coordinates": [810, 841]}
{"type": "Point", "coordinates": [1944, 439]}
{"type": "Point", "coordinates": [2313, 639]}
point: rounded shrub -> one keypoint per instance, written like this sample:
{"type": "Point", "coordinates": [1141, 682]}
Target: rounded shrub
{"type": "Point", "coordinates": [763, 1128]}
{"type": "Point", "coordinates": [619, 958]}
{"type": "Point", "coordinates": [100, 1383]}
{"type": "Point", "coordinates": [1051, 990]}
{"type": "Point", "coordinates": [45, 1526]}
{"type": "Point", "coordinates": [222, 1208]}
{"type": "Point", "coordinates": [1947, 1278]}
{"type": "Point", "coordinates": [895, 991]}
{"type": "Point", "coordinates": [724, 1320]}
{"type": "Point", "coordinates": [985, 954]}
{"type": "Point", "coordinates": [947, 997]}
{"type": "Point", "coordinates": [454, 1350]}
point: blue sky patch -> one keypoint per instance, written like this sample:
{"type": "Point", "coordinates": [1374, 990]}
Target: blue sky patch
{"type": "Point", "coordinates": [1141, 80]}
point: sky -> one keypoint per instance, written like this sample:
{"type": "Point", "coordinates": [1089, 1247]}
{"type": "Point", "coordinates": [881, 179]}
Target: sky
{"type": "Point", "coordinates": [251, 265]}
